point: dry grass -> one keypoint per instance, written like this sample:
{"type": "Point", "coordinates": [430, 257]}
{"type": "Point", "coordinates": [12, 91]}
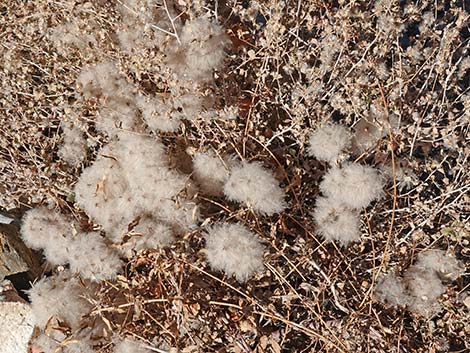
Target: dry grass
{"type": "Point", "coordinates": [290, 66]}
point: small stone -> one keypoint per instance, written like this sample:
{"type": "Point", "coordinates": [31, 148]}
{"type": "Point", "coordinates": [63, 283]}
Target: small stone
{"type": "Point", "coordinates": [16, 327]}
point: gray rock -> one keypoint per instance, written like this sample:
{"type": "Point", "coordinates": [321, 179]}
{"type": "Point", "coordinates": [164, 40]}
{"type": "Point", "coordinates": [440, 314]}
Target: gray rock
{"type": "Point", "coordinates": [15, 257]}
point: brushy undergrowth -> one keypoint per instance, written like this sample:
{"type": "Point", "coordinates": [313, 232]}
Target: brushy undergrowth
{"type": "Point", "coordinates": [394, 74]}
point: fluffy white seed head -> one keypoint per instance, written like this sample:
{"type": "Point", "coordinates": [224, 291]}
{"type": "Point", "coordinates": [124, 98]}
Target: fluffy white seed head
{"type": "Point", "coordinates": [353, 185]}
{"type": "Point", "coordinates": [103, 192]}
{"type": "Point", "coordinates": [145, 167]}
{"type": "Point", "coordinates": [256, 187]}
{"type": "Point", "coordinates": [422, 284]}
{"type": "Point", "coordinates": [186, 104]}
{"type": "Point", "coordinates": [154, 186]}
{"type": "Point", "coordinates": [157, 113]}
{"type": "Point", "coordinates": [104, 81]}
{"type": "Point", "coordinates": [48, 343]}
{"type": "Point", "coordinates": [119, 114]}
{"type": "Point", "coordinates": [148, 234]}
{"type": "Point", "coordinates": [327, 142]}
{"type": "Point", "coordinates": [234, 249]}
{"type": "Point", "coordinates": [128, 39]}
{"type": "Point", "coordinates": [133, 34]}
{"type": "Point", "coordinates": [46, 229]}
{"type": "Point", "coordinates": [100, 79]}
{"type": "Point", "coordinates": [201, 50]}
{"type": "Point", "coordinates": [70, 35]}
{"type": "Point", "coordinates": [182, 215]}
{"type": "Point", "coordinates": [93, 259]}
{"type": "Point", "coordinates": [128, 345]}
{"type": "Point", "coordinates": [210, 171]}
{"type": "Point", "coordinates": [446, 266]}
{"type": "Point", "coordinates": [132, 177]}
{"type": "Point", "coordinates": [60, 297]}
{"type": "Point", "coordinates": [73, 148]}
{"type": "Point", "coordinates": [390, 290]}
{"type": "Point", "coordinates": [424, 288]}
{"type": "Point", "coordinates": [336, 222]}
{"type": "Point", "coordinates": [57, 252]}
{"type": "Point", "coordinates": [366, 135]}
{"type": "Point", "coordinates": [40, 224]}
{"type": "Point", "coordinates": [54, 234]}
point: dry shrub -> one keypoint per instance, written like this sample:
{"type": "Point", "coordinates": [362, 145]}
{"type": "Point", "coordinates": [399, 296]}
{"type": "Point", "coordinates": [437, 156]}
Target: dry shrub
{"type": "Point", "coordinates": [394, 73]}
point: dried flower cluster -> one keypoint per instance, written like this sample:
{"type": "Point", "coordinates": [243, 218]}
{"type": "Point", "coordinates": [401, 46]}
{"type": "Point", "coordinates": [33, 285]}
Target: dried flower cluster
{"type": "Point", "coordinates": [232, 248]}
{"type": "Point", "coordinates": [131, 178]}
{"type": "Point", "coordinates": [253, 185]}
{"type": "Point", "coordinates": [422, 284]}
{"type": "Point", "coordinates": [52, 232]}
{"type": "Point", "coordinates": [190, 59]}
{"type": "Point", "coordinates": [248, 183]}
{"type": "Point", "coordinates": [327, 142]}
{"type": "Point", "coordinates": [346, 188]}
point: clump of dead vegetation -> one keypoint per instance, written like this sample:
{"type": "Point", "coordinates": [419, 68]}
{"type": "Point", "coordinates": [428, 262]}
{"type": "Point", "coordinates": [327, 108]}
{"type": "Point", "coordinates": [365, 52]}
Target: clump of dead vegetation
{"type": "Point", "coordinates": [142, 125]}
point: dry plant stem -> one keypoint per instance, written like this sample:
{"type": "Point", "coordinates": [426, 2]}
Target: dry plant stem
{"type": "Point", "coordinates": [218, 204]}
{"type": "Point", "coordinates": [172, 21]}
{"type": "Point", "coordinates": [148, 346]}
{"type": "Point", "coordinates": [312, 310]}
{"type": "Point", "coordinates": [121, 306]}
{"type": "Point", "coordinates": [250, 112]}
{"type": "Point", "coordinates": [293, 267]}
{"type": "Point", "coordinates": [155, 349]}
{"type": "Point", "coordinates": [464, 289]}
{"type": "Point", "coordinates": [226, 137]}
{"type": "Point", "coordinates": [229, 305]}
{"type": "Point", "coordinates": [158, 323]}
{"type": "Point", "coordinates": [394, 206]}
{"type": "Point", "coordinates": [368, 294]}
{"type": "Point", "coordinates": [302, 329]}
{"type": "Point", "coordinates": [399, 337]}
{"type": "Point", "coordinates": [283, 172]}
{"type": "Point", "coordinates": [219, 280]}
{"type": "Point", "coordinates": [273, 316]}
